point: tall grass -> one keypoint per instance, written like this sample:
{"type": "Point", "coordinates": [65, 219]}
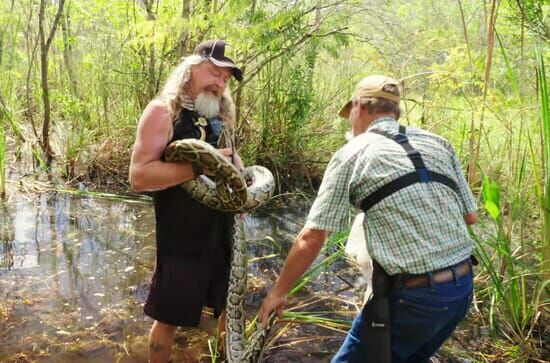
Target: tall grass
{"type": "Point", "coordinates": [331, 253]}
{"type": "Point", "coordinates": [282, 118]}
{"type": "Point", "coordinates": [545, 124]}
{"type": "Point", "coordinates": [2, 156]}
{"type": "Point", "coordinates": [513, 289]}
{"type": "Point", "coordinates": [514, 293]}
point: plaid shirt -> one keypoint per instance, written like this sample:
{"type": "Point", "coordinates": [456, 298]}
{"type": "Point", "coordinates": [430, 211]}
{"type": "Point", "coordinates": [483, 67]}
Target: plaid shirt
{"type": "Point", "coordinates": [415, 230]}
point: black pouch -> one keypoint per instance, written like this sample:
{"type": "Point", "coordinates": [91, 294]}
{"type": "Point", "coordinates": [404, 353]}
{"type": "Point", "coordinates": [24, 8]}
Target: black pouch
{"type": "Point", "coordinates": [377, 317]}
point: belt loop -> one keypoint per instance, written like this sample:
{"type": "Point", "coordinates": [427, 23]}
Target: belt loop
{"type": "Point", "coordinates": [432, 283]}
{"type": "Point", "coordinates": [455, 275]}
{"type": "Point", "coordinates": [399, 282]}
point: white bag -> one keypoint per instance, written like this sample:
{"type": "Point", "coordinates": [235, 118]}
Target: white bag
{"type": "Point", "coordinates": [356, 248]}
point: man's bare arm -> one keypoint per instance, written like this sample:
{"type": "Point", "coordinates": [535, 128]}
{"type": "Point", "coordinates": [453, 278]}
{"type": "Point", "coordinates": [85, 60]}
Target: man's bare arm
{"type": "Point", "coordinates": [147, 171]}
{"type": "Point", "coordinates": [305, 249]}
{"type": "Point", "coordinates": [237, 161]}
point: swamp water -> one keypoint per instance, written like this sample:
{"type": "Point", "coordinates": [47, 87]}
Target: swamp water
{"type": "Point", "coordinates": [75, 272]}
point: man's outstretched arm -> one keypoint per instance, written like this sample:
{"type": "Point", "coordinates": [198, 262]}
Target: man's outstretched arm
{"type": "Point", "coordinates": [305, 249]}
{"type": "Point", "coordinates": [147, 171]}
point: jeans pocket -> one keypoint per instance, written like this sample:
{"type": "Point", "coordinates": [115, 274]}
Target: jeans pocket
{"type": "Point", "coordinates": [412, 309]}
{"type": "Point", "coordinates": [421, 307]}
{"type": "Point", "coordinates": [417, 320]}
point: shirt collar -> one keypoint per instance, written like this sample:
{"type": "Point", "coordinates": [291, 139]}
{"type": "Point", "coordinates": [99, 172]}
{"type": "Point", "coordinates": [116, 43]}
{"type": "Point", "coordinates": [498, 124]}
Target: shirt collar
{"type": "Point", "coordinates": [384, 120]}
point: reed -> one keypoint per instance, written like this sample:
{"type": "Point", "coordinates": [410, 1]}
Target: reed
{"type": "Point", "coordinates": [2, 157]}
{"type": "Point", "coordinates": [331, 252]}
{"type": "Point", "coordinates": [514, 291]}
{"type": "Point", "coordinates": [545, 125]}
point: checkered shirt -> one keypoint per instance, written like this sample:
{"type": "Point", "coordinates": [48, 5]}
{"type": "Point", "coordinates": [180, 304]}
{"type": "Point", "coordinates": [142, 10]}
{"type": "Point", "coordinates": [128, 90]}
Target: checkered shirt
{"type": "Point", "coordinates": [415, 230]}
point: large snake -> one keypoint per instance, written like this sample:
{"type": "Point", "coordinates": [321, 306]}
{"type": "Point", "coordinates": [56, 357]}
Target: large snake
{"type": "Point", "coordinates": [229, 193]}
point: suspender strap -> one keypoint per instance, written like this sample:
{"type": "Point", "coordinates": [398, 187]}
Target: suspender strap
{"type": "Point", "coordinates": [408, 179]}
{"type": "Point", "coordinates": [413, 154]}
{"type": "Point", "coordinates": [420, 175]}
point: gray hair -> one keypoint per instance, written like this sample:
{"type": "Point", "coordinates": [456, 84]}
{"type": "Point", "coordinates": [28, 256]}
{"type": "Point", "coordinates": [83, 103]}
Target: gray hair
{"type": "Point", "coordinates": [174, 93]}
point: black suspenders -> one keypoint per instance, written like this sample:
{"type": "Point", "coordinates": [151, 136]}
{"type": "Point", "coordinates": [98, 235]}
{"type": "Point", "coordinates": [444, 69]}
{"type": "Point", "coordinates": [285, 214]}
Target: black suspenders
{"type": "Point", "coordinates": [420, 175]}
{"type": "Point", "coordinates": [377, 314]}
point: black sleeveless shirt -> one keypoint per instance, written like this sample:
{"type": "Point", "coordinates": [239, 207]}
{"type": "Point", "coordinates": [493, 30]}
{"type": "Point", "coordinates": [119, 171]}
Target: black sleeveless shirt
{"type": "Point", "coordinates": [184, 226]}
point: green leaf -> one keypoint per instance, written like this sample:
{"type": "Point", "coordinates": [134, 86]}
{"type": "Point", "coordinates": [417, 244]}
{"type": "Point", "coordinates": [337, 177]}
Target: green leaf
{"type": "Point", "coordinates": [492, 209]}
{"type": "Point", "coordinates": [491, 196]}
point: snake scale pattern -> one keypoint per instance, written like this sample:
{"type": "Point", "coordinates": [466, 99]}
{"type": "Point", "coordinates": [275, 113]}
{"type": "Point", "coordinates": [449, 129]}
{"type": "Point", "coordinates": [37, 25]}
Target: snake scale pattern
{"type": "Point", "coordinates": [229, 193]}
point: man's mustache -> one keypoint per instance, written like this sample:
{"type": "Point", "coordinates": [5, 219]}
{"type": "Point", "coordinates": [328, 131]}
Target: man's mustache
{"type": "Point", "coordinates": [214, 91]}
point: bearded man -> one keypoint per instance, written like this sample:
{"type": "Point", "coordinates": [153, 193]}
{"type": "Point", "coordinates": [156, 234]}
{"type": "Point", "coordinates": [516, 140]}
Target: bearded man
{"type": "Point", "coordinates": [193, 241]}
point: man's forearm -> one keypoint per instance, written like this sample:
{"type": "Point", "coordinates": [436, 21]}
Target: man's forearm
{"type": "Point", "coordinates": [302, 254]}
{"type": "Point", "coordinates": [157, 175]}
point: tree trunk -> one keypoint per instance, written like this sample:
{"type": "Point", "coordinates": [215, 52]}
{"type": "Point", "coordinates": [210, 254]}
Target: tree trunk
{"type": "Point", "coordinates": [475, 144]}
{"type": "Point", "coordinates": [45, 44]}
{"type": "Point", "coordinates": [239, 92]}
{"type": "Point", "coordinates": [184, 37]}
{"type": "Point", "coordinates": [68, 52]}
{"type": "Point", "coordinates": [31, 43]}
{"type": "Point", "coordinates": [2, 155]}
{"type": "Point", "coordinates": [151, 61]}
{"type": "Point", "coordinates": [3, 32]}
{"type": "Point", "coordinates": [46, 148]}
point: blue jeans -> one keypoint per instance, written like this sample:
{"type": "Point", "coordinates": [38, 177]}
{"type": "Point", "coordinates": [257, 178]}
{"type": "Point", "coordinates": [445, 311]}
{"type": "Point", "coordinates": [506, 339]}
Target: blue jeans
{"type": "Point", "coordinates": [421, 320]}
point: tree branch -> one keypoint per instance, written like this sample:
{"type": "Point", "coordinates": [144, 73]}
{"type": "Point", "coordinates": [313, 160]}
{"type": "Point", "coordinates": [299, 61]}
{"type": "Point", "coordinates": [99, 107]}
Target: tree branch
{"type": "Point", "coordinates": [54, 25]}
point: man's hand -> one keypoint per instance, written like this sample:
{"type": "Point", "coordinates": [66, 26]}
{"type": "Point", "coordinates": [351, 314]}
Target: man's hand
{"type": "Point", "coordinates": [227, 152]}
{"type": "Point", "coordinates": [271, 302]}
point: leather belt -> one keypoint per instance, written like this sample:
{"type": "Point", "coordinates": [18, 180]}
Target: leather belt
{"type": "Point", "coordinates": [438, 277]}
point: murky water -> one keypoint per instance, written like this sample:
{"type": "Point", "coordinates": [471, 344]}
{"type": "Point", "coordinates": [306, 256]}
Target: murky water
{"type": "Point", "coordinates": [74, 274]}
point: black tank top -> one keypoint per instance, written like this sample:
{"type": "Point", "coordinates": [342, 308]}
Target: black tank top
{"type": "Point", "coordinates": [183, 225]}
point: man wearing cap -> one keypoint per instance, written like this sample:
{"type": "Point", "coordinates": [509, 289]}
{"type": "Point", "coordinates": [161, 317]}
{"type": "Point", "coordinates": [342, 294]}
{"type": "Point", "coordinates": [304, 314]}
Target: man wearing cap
{"type": "Point", "coordinates": [193, 241]}
{"type": "Point", "coordinates": [417, 205]}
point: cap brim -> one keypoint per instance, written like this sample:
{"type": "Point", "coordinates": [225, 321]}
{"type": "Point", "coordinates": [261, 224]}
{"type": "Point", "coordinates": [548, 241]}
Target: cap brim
{"type": "Point", "coordinates": [344, 112]}
{"type": "Point", "coordinates": [228, 63]}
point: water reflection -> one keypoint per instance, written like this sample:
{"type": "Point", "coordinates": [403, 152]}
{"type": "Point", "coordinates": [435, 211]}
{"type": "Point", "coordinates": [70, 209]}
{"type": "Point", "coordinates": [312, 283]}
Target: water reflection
{"type": "Point", "coordinates": [74, 274]}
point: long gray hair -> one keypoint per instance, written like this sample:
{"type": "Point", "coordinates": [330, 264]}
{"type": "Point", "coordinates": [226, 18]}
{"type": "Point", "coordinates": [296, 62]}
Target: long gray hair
{"type": "Point", "coordinates": [174, 93]}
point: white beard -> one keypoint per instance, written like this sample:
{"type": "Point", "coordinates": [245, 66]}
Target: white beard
{"type": "Point", "coordinates": [207, 104]}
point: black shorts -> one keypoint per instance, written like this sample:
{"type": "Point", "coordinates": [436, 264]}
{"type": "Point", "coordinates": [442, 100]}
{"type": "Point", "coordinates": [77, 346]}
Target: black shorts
{"type": "Point", "coordinates": [182, 285]}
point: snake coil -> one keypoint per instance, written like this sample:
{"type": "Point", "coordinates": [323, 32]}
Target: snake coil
{"type": "Point", "coordinates": [229, 193]}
